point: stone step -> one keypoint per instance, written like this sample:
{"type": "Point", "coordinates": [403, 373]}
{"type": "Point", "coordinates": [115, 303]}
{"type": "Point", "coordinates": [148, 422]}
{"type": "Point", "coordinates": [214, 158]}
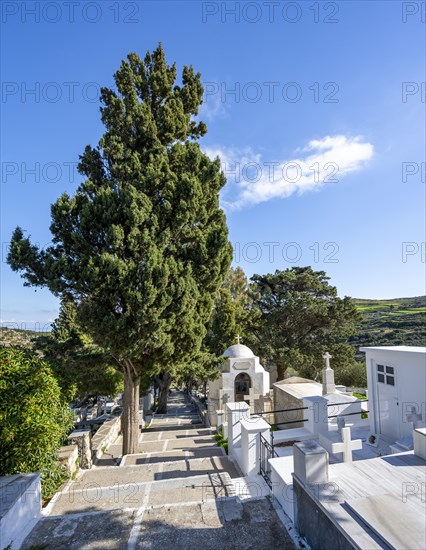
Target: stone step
{"type": "Point", "coordinates": [221, 524]}
{"type": "Point", "coordinates": [157, 471]}
{"type": "Point", "coordinates": [177, 418]}
{"type": "Point", "coordinates": [162, 427]}
{"type": "Point", "coordinates": [103, 530]}
{"type": "Point", "coordinates": [176, 444]}
{"type": "Point", "coordinates": [92, 497]}
{"type": "Point", "coordinates": [211, 525]}
{"type": "Point", "coordinates": [171, 456]}
{"type": "Point", "coordinates": [148, 435]}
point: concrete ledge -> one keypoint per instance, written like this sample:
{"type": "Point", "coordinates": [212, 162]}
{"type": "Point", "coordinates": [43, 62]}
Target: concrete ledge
{"type": "Point", "coordinates": [20, 507]}
{"type": "Point", "coordinates": [106, 435]}
{"type": "Point", "coordinates": [419, 437]}
{"type": "Point", "coordinates": [282, 483]}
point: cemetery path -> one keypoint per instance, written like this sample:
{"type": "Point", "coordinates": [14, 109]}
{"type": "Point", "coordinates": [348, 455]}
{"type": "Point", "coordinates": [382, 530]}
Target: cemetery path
{"type": "Point", "coordinates": [179, 492]}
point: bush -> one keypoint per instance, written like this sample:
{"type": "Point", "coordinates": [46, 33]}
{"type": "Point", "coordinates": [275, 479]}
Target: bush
{"type": "Point", "coordinates": [221, 441]}
{"type": "Point", "coordinates": [352, 375]}
{"type": "Point", "coordinates": [34, 419]}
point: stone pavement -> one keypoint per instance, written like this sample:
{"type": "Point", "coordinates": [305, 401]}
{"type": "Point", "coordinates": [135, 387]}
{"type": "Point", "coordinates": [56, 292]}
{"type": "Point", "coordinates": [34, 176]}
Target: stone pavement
{"type": "Point", "coordinates": [178, 493]}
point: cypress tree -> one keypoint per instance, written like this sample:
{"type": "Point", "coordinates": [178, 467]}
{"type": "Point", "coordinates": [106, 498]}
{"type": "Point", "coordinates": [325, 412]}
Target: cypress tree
{"type": "Point", "coordinates": [142, 247]}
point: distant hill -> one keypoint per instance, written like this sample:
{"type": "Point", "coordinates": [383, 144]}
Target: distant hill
{"type": "Point", "coordinates": [17, 337]}
{"type": "Point", "coordinates": [395, 322]}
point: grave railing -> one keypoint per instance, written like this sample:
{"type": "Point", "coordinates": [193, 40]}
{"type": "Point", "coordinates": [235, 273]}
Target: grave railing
{"type": "Point", "coordinates": [267, 452]}
{"type": "Point", "coordinates": [347, 403]}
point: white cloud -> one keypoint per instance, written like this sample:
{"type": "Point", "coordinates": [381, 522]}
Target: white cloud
{"type": "Point", "coordinates": [253, 179]}
{"type": "Point", "coordinates": [213, 107]}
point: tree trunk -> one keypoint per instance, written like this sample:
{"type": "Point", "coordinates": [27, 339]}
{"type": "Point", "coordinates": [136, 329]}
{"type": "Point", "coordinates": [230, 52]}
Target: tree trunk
{"type": "Point", "coordinates": [130, 418]}
{"type": "Point", "coordinates": [163, 380]}
{"type": "Point", "coordinates": [281, 372]}
{"type": "Point", "coordinates": [155, 391]}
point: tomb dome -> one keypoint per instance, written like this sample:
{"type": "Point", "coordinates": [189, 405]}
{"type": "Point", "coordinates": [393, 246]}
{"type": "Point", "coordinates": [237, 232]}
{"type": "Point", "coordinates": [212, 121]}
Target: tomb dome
{"type": "Point", "coordinates": [238, 350]}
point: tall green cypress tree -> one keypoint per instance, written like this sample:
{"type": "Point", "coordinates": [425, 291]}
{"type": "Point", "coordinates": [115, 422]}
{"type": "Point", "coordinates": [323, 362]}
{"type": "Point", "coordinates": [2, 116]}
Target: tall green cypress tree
{"type": "Point", "coordinates": [142, 247]}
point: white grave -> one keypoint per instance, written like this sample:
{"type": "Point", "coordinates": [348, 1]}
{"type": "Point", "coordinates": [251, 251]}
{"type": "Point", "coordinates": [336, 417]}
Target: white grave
{"type": "Point", "coordinates": [243, 379]}
{"type": "Point", "coordinates": [396, 378]}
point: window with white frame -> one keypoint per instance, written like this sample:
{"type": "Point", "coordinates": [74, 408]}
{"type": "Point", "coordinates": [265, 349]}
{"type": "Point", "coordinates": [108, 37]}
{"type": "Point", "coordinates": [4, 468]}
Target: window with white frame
{"type": "Point", "coordinates": [386, 375]}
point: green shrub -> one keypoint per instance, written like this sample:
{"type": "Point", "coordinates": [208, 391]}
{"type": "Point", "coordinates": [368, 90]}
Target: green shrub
{"type": "Point", "coordinates": [34, 419]}
{"type": "Point", "coordinates": [221, 441]}
{"type": "Point", "coordinates": [352, 375]}
{"type": "Point", "coordinates": [359, 395]}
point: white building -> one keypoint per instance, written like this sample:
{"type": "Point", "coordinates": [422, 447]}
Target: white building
{"type": "Point", "coordinates": [396, 378]}
{"type": "Point", "coordinates": [241, 373]}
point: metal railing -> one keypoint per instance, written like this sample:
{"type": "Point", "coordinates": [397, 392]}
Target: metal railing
{"type": "Point", "coordinates": [347, 403]}
{"type": "Point", "coordinates": [267, 452]}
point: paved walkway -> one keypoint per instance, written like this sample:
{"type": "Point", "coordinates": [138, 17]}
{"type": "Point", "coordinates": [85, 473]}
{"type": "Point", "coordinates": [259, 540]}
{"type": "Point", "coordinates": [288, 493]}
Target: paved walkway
{"type": "Point", "coordinates": [179, 492]}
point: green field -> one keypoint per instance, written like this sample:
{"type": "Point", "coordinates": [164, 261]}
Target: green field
{"type": "Point", "coordinates": [399, 322]}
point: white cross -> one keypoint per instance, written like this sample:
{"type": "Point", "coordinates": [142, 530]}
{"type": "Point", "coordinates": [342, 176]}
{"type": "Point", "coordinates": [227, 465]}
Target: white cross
{"type": "Point", "coordinates": [251, 397]}
{"type": "Point", "coordinates": [238, 339]}
{"type": "Point", "coordinates": [327, 358]}
{"type": "Point", "coordinates": [347, 445]}
{"type": "Point", "coordinates": [413, 417]}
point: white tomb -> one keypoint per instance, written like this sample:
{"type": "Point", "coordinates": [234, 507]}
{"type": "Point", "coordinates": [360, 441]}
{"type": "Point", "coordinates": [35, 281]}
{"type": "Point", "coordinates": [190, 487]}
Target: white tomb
{"type": "Point", "coordinates": [242, 379]}
{"type": "Point", "coordinates": [396, 378]}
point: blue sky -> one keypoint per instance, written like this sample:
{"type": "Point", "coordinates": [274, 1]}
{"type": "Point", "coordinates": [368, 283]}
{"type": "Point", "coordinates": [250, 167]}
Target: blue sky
{"type": "Point", "coordinates": [294, 92]}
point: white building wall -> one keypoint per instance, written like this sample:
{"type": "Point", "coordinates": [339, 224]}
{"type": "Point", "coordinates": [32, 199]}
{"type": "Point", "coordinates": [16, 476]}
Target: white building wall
{"type": "Point", "coordinates": [410, 383]}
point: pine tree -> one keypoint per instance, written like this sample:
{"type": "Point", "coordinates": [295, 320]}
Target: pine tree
{"type": "Point", "coordinates": [142, 247]}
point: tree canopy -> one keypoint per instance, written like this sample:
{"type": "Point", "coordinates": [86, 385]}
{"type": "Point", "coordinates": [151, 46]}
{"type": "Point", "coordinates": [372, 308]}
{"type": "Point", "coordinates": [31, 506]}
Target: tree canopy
{"type": "Point", "coordinates": [301, 317]}
{"type": "Point", "coordinates": [82, 368]}
{"type": "Point", "coordinates": [142, 247]}
{"type": "Point", "coordinates": [233, 313]}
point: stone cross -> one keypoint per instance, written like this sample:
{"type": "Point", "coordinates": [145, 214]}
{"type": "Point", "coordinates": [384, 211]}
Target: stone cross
{"type": "Point", "coordinates": [251, 397]}
{"type": "Point", "coordinates": [412, 417]}
{"type": "Point", "coordinates": [327, 358]}
{"type": "Point", "coordinates": [238, 338]}
{"type": "Point", "coordinates": [347, 445]}
{"type": "Point", "coordinates": [328, 385]}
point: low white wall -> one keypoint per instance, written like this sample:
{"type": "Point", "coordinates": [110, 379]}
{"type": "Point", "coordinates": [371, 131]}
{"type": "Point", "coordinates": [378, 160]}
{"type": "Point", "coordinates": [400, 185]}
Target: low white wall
{"type": "Point", "coordinates": [282, 483]}
{"type": "Point", "coordinates": [20, 507]}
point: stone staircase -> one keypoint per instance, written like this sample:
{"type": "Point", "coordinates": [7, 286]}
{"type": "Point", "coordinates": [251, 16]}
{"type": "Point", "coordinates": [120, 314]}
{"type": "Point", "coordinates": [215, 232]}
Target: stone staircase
{"type": "Point", "coordinates": [178, 492]}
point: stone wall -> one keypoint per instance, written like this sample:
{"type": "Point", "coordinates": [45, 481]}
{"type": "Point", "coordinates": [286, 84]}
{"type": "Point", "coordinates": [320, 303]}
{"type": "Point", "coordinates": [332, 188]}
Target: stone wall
{"type": "Point", "coordinates": [68, 457]}
{"type": "Point", "coordinates": [313, 524]}
{"type": "Point", "coordinates": [283, 400]}
{"type": "Point", "coordinates": [202, 410]}
{"type": "Point", "coordinates": [106, 435]}
{"type": "Point", "coordinates": [81, 438]}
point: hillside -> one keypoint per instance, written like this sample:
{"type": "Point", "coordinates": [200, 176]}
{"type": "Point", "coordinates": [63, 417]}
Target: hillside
{"type": "Point", "coordinates": [396, 322]}
{"type": "Point", "coordinates": [17, 337]}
